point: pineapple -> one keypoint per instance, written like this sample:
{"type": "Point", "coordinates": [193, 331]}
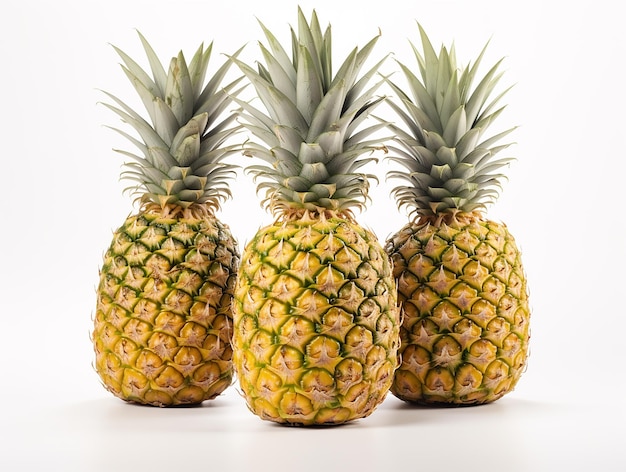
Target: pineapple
{"type": "Point", "coordinates": [316, 320]}
{"type": "Point", "coordinates": [465, 331]}
{"type": "Point", "coordinates": [163, 321]}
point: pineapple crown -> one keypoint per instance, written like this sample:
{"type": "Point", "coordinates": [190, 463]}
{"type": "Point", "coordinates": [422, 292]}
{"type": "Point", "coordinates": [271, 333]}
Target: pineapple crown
{"type": "Point", "coordinates": [448, 165]}
{"type": "Point", "coordinates": [311, 146]}
{"type": "Point", "coordinates": [182, 150]}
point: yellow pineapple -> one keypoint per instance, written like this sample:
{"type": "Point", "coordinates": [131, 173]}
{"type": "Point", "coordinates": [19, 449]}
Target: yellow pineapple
{"type": "Point", "coordinates": [465, 332]}
{"type": "Point", "coordinates": [316, 321]}
{"type": "Point", "coordinates": [163, 322]}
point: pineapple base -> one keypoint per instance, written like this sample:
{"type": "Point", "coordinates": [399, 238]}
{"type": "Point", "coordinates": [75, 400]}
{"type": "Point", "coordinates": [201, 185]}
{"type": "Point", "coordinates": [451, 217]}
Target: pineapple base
{"type": "Point", "coordinates": [163, 321]}
{"type": "Point", "coordinates": [316, 322]}
{"type": "Point", "coordinates": [463, 291]}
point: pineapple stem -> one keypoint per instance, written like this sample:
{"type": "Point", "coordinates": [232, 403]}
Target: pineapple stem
{"type": "Point", "coordinates": [450, 217]}
{"type": "Point", "coordinates": [195, 211]}
{"type": "Point", "coordinates": [317, 214]}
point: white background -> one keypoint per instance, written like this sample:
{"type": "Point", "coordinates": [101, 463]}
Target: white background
{"type": "Point", "coordinates": [62, 199]}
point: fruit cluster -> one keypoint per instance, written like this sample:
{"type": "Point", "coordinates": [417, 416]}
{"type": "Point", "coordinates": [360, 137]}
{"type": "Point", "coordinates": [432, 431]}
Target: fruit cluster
{"type": "Point", "coordinates": [316, 318]}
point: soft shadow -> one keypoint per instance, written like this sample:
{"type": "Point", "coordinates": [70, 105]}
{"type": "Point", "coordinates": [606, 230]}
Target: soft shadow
{"type": "Point", "coordinates": [302, 427]}
{"type": "Point", "coordinates": [404, 405]}
{"type": "Point", "coordinates": [116, 414]}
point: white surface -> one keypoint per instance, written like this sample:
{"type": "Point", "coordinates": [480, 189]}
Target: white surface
{"type": "Point", "coordinates": [516, 434]}
{"type": "Point", "coordinates": [563, 203]}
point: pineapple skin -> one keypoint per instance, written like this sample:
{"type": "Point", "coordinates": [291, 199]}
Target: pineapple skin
{"type": "Point", "coordinates": [465, 331]}
{"type": "Point", "coordinates": [163, 322]}
{"type": "Point", "coordinates": [316, 322]}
